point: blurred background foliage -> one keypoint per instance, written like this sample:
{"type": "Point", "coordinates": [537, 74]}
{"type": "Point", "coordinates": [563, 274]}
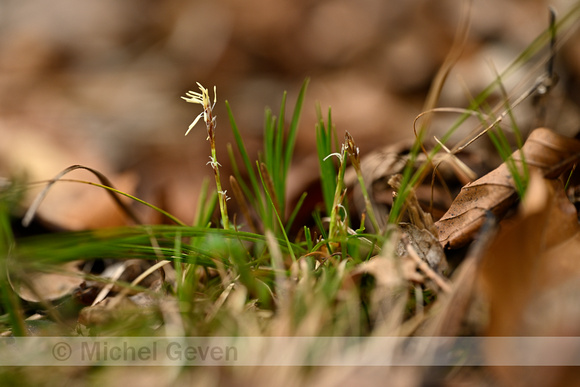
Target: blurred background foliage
{"type": "Point", "coordinates": [98, 83]}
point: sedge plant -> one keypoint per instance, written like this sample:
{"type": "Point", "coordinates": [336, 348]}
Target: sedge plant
{"type": "Point", "coordinates": [254, 286]}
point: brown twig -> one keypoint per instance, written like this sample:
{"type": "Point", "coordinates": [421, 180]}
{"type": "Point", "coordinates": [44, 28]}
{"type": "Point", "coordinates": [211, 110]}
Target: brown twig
{"type": "Point", "coordinates": [425, 268]}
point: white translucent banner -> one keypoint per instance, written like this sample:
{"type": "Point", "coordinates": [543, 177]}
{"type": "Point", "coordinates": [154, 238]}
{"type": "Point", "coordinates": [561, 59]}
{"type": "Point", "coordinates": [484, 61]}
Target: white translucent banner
{"type": "Point", "coordinates": [290, 351]}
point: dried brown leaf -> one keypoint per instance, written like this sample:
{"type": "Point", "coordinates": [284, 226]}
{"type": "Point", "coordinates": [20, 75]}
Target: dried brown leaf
{"type": "Point", "coordinates": [530, 258]}
{"type": "Point", "coordinates": [546, 153]}
{"type": "Point", "coordinates": [109, 310]}
{"type": "Point", "coordinates": [425, 245]}
{"type": "Point", "coordinates": [530, 279]}
{"type": "Point", "coordinates": [34, 286]}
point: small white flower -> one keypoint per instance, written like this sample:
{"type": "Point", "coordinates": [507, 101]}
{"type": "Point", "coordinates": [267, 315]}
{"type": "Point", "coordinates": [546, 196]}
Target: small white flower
{"type": "Point", "coordinates": [203, 100]}
{"type": "Point", "coordinates": [213, 162]}
{"type": "Point", "coordinates": [341, 207]}
{"type": "Point", "coordinates": [223, 193]}
{"type": "Point", "coordinates": [338, 155]}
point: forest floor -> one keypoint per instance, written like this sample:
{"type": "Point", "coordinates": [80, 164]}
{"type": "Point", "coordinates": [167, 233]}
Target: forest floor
{"type": "Point", "coordinates": [417, 180]}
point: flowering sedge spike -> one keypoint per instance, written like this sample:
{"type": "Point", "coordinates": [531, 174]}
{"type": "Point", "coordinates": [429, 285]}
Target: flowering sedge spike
{"type": "Point", "coordinates": [337, 226]}
{"type": "Point", "coordinates": [353, 152]}
{"type": "Point", "coordinates": [202, 98]}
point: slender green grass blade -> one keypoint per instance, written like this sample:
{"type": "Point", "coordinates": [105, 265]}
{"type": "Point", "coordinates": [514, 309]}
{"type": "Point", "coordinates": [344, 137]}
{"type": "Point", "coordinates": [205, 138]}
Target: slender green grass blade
{"type": "Point", "coordinates": [280, 223]}
{"type": "Point", "coordinates": [291, 141]}
{"type": "Point", "coordinates": [327, 169]}
{"type": "Point", "coordinates": [278, 170]}
{"type": "Point", "coordinates": [10, 301]}
{"type": "Point", "coordinates": [269, 139]}
{"type": "Point", "coordinates": [308, 238]}
{"type": "Point", "coordinates": [246, 159]}
{"type": "Point", "coordinates": [249, 194]}
{"type": "Point", "coordinates": [292, 216]}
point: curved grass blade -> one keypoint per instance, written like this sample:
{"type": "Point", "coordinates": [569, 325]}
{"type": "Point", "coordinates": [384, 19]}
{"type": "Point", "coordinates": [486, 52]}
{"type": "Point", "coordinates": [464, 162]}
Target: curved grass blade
{"type": "Point", "coordinates": [106, 184]}
{"type": "Point", "coordinates": [102, 178]}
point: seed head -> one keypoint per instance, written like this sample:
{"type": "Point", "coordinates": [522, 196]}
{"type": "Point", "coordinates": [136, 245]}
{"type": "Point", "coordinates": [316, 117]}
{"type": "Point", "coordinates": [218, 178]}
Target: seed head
{"type": "Point", "coordinates": [203, 100]}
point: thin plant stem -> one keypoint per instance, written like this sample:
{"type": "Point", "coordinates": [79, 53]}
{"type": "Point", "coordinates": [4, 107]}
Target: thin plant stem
{"type": "Point", "coordinates": [210, 122]}
{"type": "Point", "coordinates": [338, 195]}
